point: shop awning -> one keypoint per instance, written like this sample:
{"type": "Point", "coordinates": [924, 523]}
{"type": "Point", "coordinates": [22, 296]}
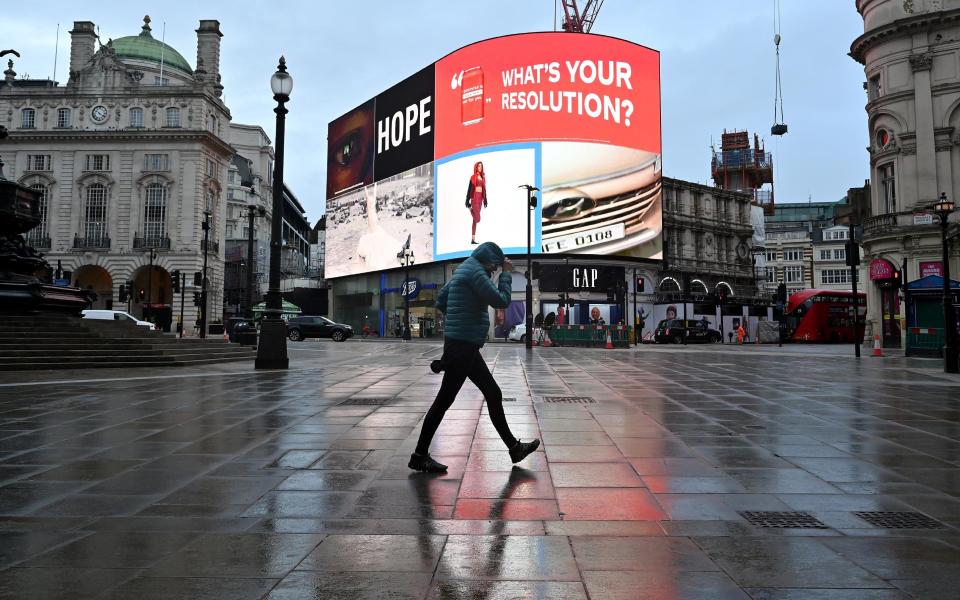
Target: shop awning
{"type": "Point", "coordinates": [931, 282]}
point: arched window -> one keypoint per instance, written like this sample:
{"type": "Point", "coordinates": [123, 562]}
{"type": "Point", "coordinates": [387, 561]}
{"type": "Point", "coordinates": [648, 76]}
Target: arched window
{"type": "Point", "coordinates": [173, 117]}
{"type": "Point", "coordinates": [28, 118]}
{"type": "Point", "coordinates": [63, 118]}
{"type": "Point", "coordinates": [38, 237]}
{"type": "Point", "coordinates": [94, 224]}
{"type": "Point", "coordinates": [136, 117]}
{"type": "Point", "coordinates": [155, 214]}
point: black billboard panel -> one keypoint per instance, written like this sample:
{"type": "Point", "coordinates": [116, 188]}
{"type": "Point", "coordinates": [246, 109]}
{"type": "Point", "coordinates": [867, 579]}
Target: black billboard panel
{"type": "Point", "coordinates": [403, 134]}
{"type": "Point", "coordinates": [580, 278]}
{"type": "Point", "coordinates": [350, 150]}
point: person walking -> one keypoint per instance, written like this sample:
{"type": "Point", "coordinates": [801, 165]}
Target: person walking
{"type": "Point", "coordinates": [464, 301]}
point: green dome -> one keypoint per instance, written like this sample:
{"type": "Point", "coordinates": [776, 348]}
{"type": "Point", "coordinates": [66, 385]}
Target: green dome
{"type": "Point", "coordinates": [144, 47]}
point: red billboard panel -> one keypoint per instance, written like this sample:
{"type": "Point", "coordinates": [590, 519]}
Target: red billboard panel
{"type": "Point", "coordinates": [548, 87]}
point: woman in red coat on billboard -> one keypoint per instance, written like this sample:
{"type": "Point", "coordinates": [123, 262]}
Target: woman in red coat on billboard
{"type": "Point", "coordinates": [476, 195]}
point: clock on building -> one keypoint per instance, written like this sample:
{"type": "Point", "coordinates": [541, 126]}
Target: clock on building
{"type": "Point", "coordinates": [99, 114]}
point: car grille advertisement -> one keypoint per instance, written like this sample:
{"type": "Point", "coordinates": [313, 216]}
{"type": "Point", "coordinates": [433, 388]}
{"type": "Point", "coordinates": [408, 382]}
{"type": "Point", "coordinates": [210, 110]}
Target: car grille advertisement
{"type": "Point", "coordinates": [440, 158]}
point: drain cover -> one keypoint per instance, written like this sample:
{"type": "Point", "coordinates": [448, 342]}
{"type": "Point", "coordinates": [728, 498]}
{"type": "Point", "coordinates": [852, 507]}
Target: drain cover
{"type": "Point", "coordinates": [508, 399]}
{"type": "Point", "coordinates": [366, 401]}
{"type": "Point", "coordinates": [782, 520]}
{"type": "Point", "coordinates": [569, 400]}
{"type": "Point", "coordinates": [899, 520]}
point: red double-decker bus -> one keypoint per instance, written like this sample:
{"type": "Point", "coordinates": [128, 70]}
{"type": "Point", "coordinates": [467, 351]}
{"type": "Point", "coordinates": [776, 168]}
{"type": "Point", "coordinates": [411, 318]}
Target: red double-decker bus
{"type": "Point", "coordinates": [824, 316]}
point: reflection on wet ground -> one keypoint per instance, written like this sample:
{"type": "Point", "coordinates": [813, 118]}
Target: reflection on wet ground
{"type": "Point", "coordinates": [227, 483]}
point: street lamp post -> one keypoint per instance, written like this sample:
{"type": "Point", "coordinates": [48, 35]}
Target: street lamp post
{"type": "Point", "coordinates": [203, 282]}
{"type": "Point", "coordinates": [406, 258]}
{"type": "Point", "coordinates": [153, 256]}
{"type": "Point", "coordinates": [272, 349]}
{"type": "Point", "coordinates": [531, 204]}
{"type": "Point", "coordinates": [944, 208]}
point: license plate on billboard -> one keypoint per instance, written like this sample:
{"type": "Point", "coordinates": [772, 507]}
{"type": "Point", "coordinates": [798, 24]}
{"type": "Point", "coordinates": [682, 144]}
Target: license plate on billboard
{"type": "Point", "coordinates": [569, 243]}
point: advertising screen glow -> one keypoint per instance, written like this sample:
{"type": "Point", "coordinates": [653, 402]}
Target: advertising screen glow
{"type": "Point", "coordinates": [441, 156]}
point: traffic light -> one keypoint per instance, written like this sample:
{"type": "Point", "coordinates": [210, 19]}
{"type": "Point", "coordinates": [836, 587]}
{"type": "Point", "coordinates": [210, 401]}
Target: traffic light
{"type": "Point", "coordinates": [197, 278]}
{"type": "Point", "coordinates": [175, 279]}
{"type": "Point", "coordinates": [536, 270]}
{"type": "Point", "coordinates": [141, 294]}
{"type": "Point", "coordinates": [123, 293]}
{"type": "Point", "coordinates": [196, 298]}
{"type": "Point", "coordinates": [782, 293]}
{"type": "Point", "coordinates": [640, 284]}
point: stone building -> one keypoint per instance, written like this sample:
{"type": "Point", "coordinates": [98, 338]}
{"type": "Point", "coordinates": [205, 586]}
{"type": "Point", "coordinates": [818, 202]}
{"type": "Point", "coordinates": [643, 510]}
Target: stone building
{"type": "Point", "coordinates": [129, 156]}
{"type": "Point", "coordinates": [910, 51]}
{"type": "Point", "coordinates": [707, 239]}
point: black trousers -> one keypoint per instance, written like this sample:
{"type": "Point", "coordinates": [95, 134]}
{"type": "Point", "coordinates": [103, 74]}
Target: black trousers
{"type": "Point", "coordinates": [462, 361]}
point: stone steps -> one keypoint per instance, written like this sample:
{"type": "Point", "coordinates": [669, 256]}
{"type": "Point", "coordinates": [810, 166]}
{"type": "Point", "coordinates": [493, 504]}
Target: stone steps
{"type": "Point", "coordinates": [64, 342]}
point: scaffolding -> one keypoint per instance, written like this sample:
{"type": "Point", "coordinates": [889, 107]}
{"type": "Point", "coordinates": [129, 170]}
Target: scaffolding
{"type": "Point", "coordinates": [744, 168]}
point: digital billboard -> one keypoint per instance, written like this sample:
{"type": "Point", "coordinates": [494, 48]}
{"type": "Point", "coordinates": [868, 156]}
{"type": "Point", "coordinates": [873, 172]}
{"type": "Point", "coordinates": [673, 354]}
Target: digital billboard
{"type": "Point", "coordinates": [441, 156]}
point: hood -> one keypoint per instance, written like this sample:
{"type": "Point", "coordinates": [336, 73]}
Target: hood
{"type": "Point", "coordinates": [488, 253]}
{"type": "Point", "coordinates": [476, 167]}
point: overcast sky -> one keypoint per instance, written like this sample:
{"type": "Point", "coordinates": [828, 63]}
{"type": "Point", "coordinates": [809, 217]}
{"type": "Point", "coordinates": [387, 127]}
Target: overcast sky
{"type": "Point", "coordinates": [717, 64]}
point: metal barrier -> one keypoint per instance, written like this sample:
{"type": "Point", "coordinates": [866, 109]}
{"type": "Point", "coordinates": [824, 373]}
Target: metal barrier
{"type": "Point", "coordinates": [924, 341]}
{"type": "Point", "coordinates": [590, 336]}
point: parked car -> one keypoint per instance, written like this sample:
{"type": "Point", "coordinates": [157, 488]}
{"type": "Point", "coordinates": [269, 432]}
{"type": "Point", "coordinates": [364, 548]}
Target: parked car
{"type": "Point", "coordinates": [117, 315]}
{"type": "Point", "coordinates": [518, 333]}
{"type": "Point", "coordinates": [673, 331]}
{"type": "Point", "coordinates": [302, 327]}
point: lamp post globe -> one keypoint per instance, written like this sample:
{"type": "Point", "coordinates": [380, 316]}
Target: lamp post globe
{"type": "Point", "coordinates": [944, 207]}
{"type": "Point", "coordinates": [272, 347]}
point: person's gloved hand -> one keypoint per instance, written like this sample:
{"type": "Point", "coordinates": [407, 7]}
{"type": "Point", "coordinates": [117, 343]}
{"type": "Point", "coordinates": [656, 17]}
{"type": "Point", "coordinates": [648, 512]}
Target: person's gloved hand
{"type": "Point", "coordinates": [507, 265]}
{"type": "Point", "coordinates": [484, 203]}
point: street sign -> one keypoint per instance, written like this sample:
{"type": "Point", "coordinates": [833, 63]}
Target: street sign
{"type": "Point", "coordinates": [411, 289]}
{"type": "Point", "coordinates": [922, 219]}
{"type": "Point", "coordinates": [61, 282]}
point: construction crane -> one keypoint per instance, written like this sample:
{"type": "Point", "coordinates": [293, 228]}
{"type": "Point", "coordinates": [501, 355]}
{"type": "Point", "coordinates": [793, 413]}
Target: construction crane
{"type": "Point", "coordinates": [575, 21]}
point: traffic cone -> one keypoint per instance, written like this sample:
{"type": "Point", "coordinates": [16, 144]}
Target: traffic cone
{"type": "Point", "coordinates": [877, 350]}
{"type": "Point", "coordinates": [609, 345]}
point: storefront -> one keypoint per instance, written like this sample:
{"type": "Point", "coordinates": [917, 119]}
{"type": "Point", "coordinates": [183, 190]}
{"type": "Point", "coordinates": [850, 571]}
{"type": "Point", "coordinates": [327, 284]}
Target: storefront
{"type": "Point", "coordinates": [608, 289]}
{"type": "Point", "coordinates": [886, 278]}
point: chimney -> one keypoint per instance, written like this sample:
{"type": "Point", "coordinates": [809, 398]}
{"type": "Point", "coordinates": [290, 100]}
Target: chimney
{"type": "Point", "coordinates": [208, 53]}
{"type": "Point", "coordinates": [82, 42]}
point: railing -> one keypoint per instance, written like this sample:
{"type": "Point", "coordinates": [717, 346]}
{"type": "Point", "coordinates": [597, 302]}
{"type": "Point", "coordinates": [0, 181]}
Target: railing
{"type": "Point", "coordinates": [214, 246]}
{"type": "Point", "coordinates": [38, 241]}
{"type": "Point", "coordinates": [880, 224]}
{"type": "Point", "coordinates": [157, 242]}
{"type": "Point", "coordinates": [98, 242]}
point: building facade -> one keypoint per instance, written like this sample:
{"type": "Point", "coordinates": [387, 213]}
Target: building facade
{"type": "Point", "coordinates": [910, 51]}
{"type": "Point", "coordinates": [129, 156]}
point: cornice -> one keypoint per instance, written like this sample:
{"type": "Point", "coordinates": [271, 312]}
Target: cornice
{"type": "Point", "coordinates": [899, 28]}
{"type": "Point", "coordinates": [85, 136]}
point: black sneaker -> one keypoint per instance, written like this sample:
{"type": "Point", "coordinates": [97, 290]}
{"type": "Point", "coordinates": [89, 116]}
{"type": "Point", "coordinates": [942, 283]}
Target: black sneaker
{"type": "Point", "coordinates": [521, 450]}
{"type": "Point", "coordinates": [425, 463]}
{"type": "Point", "coordinates": [436, 366]}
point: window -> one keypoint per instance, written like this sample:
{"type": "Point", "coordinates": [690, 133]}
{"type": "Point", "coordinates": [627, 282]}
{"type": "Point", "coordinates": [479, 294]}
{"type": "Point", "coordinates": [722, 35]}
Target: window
{"type": "Point", "coordinates": [793, 274]}
{"type": "Point", "coordinates": [136, 117]}
{"type": "Point", "coordinates": [839, 254]}
{"type": "Point", "coordinates": [835, 235]}
{"type": "Point", "coordinates": [173, 117]}
{"type": "Point", "coordinates": [156, 162]}
{"type": "Point", "coordinates": [98, 162]}
{"type": "Point", "coordinates": [793, 254]}
{"type": "Point", "coordinates": [155, 212]}
{"type": "Point", "coordinates": [63, 118]}
{"type": "Point", "coordinates": [28, 118]}
{"type": "Point", "coordinates": [157, 80]}
{"type": "Point", "coordinates": [231, 229]}
{"type": "Point", "coordinates": [771, 275]}
{"type": "Point", "coordinates": [211, 168]}
{"type": "Point", "coordinates": [94, 224]}
{"type": "Point", "coordinates": [771, 256]}
{"type": "Point", "coordinates": [835, 276]}
{"type": "Point", "coordinates": [873, 88]}
{"type": "Point", "coordinates": [38, 162]}
{"type": "Point", "coordinates": [40, 231]}
{"type": "Point", "coordinates": [888, 188]}
{"type": "Point", "coordinates": [231, 176]}
{"type": "Point", "coordinates": [211, 124]}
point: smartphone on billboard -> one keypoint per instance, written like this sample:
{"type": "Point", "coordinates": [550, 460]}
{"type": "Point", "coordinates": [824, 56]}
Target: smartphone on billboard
{"type": "Point", "coordinates": [471, 108]}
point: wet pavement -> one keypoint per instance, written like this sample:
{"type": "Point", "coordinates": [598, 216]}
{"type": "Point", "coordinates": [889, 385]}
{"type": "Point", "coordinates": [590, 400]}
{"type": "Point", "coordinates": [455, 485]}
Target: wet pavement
{"type": "Point", "coordinates": [672, 473]}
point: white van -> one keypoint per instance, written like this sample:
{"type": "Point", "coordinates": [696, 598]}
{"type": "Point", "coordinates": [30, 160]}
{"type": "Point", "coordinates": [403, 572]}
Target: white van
{"type": "Point", "coordinates": [117, 315]}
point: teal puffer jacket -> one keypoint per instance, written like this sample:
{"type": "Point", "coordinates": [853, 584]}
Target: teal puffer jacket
{"type": "Point", "coordinates": [465, 298]}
